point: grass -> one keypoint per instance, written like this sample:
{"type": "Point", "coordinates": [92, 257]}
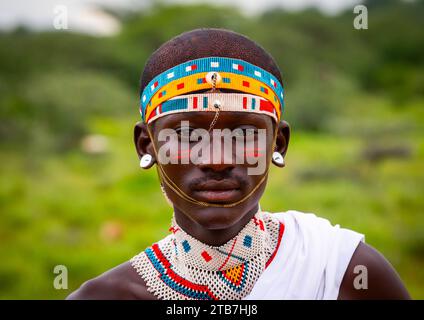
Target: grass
{"type": "Point", "coordinates": [91, 213]}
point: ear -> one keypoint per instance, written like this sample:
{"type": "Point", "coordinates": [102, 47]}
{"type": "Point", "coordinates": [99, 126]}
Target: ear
{"type": "Point", "coordinates": [283, 137]}
{"type": "Point", "coordinates": [142, 141]}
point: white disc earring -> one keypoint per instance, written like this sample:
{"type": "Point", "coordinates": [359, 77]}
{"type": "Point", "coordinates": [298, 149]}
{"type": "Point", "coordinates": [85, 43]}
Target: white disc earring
{"type": "Point", "coordinates": [146, 161]}
{"type": "Point", "coordinates": [277, 159]}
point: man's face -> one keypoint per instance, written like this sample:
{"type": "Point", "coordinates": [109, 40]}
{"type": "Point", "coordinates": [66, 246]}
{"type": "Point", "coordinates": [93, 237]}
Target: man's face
{"type": "Point", "coordinates": [218, 181]}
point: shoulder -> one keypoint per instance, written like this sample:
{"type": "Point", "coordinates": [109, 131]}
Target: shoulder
{"type": "Point", "coordinates": [359, 270]}
{"type": "Point", "coordinates": [370, 276]}
{"type": "Point", "coordinates": [351, 268]}
{"type": "Point", "coordinates": [119, 283]}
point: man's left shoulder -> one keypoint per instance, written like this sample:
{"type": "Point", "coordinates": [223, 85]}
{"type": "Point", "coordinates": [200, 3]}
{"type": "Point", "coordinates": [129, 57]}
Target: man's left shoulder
{"type": "Point", "coordinates": [370, 276]}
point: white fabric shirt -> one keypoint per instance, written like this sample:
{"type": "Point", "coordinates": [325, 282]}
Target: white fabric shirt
{"type": "Point", "coordinates": [310, 262]}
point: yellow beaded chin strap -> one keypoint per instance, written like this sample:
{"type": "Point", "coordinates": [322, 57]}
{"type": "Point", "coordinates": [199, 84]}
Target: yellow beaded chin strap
{"type": "Point", "coordinates": [168, 181]}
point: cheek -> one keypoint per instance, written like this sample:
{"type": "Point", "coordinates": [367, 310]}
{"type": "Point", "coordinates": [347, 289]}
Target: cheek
{"type": "Point", "coordinates": [258, 149]}
{"type": "Point", "coordinates": [181, 175]}
{"type": "Point", "coordinates": [181, 154]}
{"type": "Point", "coordinates": [254, 149]}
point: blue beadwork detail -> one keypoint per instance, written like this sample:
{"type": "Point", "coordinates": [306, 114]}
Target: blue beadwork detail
{"type": "Point", "coordinates": [186, 246]}
{"type": "Point", "coordinates": [247, 242]}
{"type": "Point", "coordinates": [171, 283]}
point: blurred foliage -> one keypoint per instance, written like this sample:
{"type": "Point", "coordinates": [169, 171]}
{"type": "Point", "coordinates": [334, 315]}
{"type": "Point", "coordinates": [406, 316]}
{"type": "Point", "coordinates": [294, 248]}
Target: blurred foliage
{"type": "Point", "coordinates": [353, 97]}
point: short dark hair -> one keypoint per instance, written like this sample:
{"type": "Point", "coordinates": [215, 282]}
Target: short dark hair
{"type": "Point", "coordinates": [207, 42]}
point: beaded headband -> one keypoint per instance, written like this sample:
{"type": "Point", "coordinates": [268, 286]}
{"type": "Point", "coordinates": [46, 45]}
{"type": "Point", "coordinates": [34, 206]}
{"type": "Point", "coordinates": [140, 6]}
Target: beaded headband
{"type": "Point", "coordinates": [165, 94]}
{"type": "Point", "coordinates": [206, 102]}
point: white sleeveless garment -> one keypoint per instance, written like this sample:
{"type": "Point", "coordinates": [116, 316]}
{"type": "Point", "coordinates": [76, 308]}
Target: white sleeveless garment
{"type": "Point", "coordinates": [310, 262]}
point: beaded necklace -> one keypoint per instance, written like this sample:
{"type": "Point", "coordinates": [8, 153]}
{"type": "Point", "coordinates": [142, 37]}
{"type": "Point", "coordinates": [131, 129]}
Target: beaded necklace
{"type": "Point", "coordinates": [181, 267]}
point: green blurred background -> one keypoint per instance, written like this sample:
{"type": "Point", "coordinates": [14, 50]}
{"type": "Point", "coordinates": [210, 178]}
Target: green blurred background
{"type": "Point", "coordinates": [72, 193]}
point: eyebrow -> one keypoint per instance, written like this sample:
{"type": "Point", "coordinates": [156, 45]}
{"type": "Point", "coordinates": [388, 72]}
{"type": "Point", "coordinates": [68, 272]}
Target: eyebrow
{"type": "Point", "coordinates": [259, 121]}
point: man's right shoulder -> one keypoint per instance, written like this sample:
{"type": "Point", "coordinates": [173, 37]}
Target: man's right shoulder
{"type": "Point", "coordinates": [120, 283]}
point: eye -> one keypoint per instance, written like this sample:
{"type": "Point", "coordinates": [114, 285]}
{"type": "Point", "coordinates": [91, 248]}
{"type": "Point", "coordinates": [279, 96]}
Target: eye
{"type": "Point", "coordinates": [250, 132]}
{"type": "Point", "coordinates": [184, 132]}
{"type": "Point", "coordinates": [245, 132]}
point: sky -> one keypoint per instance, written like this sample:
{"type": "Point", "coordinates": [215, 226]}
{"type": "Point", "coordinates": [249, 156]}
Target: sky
{"type": "Point", "coordinates": [83, 15]}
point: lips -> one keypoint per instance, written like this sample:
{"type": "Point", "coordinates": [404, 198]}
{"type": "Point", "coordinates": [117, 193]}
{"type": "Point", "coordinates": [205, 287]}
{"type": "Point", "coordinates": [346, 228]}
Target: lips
{"type": "Point", "coordinates": [220, 191]}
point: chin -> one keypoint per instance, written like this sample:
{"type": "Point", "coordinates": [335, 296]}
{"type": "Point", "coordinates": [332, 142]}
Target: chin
{"type": "Point", "coordinates": [214, 218]}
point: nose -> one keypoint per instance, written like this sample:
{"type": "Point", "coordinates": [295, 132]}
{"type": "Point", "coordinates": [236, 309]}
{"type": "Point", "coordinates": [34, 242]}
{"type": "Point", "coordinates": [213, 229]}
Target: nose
{"type": "Point", "coordinates": [217, 167]}
{"type": "Point", "coordinates": [220, 157]}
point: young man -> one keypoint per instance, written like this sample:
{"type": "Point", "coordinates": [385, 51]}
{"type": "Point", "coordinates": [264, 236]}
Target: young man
{"type": "Point", "coordinates": [222, 245]}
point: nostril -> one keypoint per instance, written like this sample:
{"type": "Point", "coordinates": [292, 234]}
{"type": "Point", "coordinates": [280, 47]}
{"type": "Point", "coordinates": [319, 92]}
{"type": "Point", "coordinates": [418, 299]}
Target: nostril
{"type": "Point", "coordinates": [223, 169]}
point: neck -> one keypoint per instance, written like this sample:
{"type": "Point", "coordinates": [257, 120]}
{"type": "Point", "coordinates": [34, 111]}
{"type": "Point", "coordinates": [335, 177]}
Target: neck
{"type": "Point", "coordinates": [208, 236]}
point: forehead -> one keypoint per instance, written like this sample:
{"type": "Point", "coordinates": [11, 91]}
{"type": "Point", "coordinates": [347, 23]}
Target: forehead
{"type": "Point", "coordinates": [226, 119]}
